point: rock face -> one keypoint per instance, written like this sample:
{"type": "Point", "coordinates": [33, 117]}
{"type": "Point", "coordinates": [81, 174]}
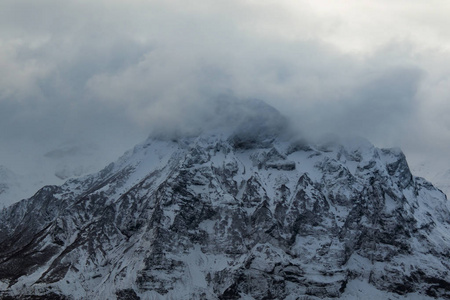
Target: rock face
{"type": "Point", "coordinates": [208, 217]}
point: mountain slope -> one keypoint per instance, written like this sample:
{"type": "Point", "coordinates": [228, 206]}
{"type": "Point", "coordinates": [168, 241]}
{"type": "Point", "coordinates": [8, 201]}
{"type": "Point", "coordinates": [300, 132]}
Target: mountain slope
{"type": "Point", "coordinates": [14, 187]}
{"type": "Point", "coordinates": [436, 172]}
{"type": "Point", "coordinates": [232, 216]}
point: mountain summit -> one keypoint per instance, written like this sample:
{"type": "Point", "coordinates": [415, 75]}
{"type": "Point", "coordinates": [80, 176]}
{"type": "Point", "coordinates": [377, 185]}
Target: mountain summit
{"type": "Point", "coordinates": [241, 214]}
{"type": "Point", "coordinates": [252, 119]}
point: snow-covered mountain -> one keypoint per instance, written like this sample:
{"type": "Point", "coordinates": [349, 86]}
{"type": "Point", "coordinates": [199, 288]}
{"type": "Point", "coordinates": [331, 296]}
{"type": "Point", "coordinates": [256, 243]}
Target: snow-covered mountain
{"type": "Point", "coordinates": [14, 187]}
{"type": "Point", "coordinates": [26, 172]}
{"type": "Point", "coordinates": [436, 171]}
{"type": "Point", "coordinates": [243, 213]}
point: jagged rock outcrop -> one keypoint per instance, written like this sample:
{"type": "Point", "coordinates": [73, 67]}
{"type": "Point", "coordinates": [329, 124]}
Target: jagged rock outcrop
{"type": "Point", "coordinates": [207, 217]}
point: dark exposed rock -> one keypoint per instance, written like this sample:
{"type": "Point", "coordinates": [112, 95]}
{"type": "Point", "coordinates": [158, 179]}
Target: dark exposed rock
{"type": "Point", "coordinates": [230, 217]}
{"type": "Point", "coordinates": [49, 296]}
{"type": "Point", "coordinates": [127, 294]}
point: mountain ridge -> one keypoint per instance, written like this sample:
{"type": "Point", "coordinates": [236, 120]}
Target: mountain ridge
{"type": "Point", "coordinates": [206, 217]}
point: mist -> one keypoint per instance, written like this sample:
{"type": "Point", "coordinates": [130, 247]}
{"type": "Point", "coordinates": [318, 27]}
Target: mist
{"type": "Point", "coordinates": [109, 74]}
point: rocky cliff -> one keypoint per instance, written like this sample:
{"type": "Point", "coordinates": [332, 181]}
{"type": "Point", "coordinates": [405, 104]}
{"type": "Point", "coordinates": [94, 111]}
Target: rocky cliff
{"type": "Point", "coordinates": [232, 216]}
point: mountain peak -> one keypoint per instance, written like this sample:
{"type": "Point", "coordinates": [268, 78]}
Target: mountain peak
{"type": "Point", "coordinates": [233, 213]}
{"type": "Point", "coordinates": [250, 119]}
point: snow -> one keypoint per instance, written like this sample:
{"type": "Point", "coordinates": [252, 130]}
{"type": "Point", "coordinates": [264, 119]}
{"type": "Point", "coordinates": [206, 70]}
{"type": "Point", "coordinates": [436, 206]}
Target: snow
{"type": "Point", "coordinates": [340, 170]}
{"type": "Point", "coordinates": [15, 187]}
{"type": "Point", "coordinates": [389, 204]}
{"type": "Point", "coordinates": [361, 289]}
{"type": "Point", "coordinates": [436, 171]}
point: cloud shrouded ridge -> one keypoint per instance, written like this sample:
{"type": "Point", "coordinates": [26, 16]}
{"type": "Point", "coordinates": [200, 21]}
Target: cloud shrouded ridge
{"type": "Point", "coordinates": [111, 72]}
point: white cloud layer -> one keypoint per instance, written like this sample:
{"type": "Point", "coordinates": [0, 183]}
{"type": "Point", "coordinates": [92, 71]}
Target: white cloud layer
{"type": "Point", "coordinates": [114, 70]}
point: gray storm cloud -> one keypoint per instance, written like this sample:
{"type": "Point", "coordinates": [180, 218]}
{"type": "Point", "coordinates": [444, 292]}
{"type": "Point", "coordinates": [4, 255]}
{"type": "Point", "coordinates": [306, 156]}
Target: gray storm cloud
{"type": "Point", "coordinates": [112, 72]}
{"type": "Point", "coordinates": [379, 108]}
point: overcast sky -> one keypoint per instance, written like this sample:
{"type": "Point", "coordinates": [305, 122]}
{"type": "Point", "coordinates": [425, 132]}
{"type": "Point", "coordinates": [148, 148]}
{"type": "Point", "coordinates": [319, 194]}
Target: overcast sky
{"type": "Point", "coordinates": [109, 72]}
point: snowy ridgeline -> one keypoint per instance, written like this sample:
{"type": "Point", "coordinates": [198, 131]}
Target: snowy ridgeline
{"type": "Point", "coordinates": [26, 173]}
{"type": "Point", "coordinates": [222, 216]}
{"type": "Point", "coordinates": [437, 172]}
{"type": "Point", "coordinates": [14, 187]}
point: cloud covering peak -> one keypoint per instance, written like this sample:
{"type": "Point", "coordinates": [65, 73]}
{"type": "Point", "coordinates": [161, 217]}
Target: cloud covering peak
{"type": "Point", "coordinates": [115, 71]}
